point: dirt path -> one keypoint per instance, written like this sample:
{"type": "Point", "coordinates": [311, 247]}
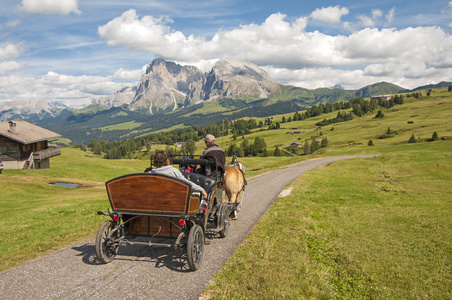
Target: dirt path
{"type": "Point", "coordinates": [140, 272]}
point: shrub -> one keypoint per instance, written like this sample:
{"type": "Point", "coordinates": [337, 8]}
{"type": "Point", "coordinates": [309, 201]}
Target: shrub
{"type": "Point", "coordinates": [370, 143]}
{"type": "Point", "coordinates": [412, 139]}
{"type": "Point", "coordinates": [379, 114]}
{"type": "Point", "coordinates": [435, 136]}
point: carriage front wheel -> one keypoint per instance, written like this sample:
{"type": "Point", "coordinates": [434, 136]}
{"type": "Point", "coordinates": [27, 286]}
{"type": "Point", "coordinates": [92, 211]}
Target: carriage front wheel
{"type": "Point", "coordinates": [106, 242]}
{"type": "Point", "coordinates": [195, 247]}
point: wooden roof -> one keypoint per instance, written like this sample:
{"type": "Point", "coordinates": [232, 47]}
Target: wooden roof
{"type": "Point", "coordinates": [26, 133]}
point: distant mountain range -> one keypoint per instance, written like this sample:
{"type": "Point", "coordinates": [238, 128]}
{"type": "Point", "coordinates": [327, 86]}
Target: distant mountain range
{"type": "Point", "coordinates": [170, 95]}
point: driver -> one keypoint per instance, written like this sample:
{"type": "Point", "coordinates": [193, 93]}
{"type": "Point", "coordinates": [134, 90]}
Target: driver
{"type": "Point", "coordinates": [163, 166]}
{"type": "Point", "coordinates": [215, 151]}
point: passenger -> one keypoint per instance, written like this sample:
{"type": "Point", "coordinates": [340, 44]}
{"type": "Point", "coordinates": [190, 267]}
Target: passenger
{"type": "Point", "coordinates": [163, 166]}
{"type": "Point", "coordinates": [215, 151]}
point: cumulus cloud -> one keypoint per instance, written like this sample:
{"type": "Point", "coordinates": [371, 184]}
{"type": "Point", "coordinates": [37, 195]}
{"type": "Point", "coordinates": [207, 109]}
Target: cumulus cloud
{"type": "Point", "coordinates": [129, 74]}
{"type": "Point", "coordinates": [9, 66]}
{"type": "Point", "coordinates": [329, 14]}
{"type": "Point", "coordinates": [50, 7]}
{"type": "Point", "coordinates": [154, 35]}
{"type": "Point", "coordinates": [370, 21]}
{"type": "Point", "coordinates": [69, 89]}
{"type": "Point", "coordinates": [282, 44]}
{"type": "Point", "coordinates": [10, 50]}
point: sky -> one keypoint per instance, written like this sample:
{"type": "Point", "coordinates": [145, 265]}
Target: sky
{"type": "Point", "coordinates": [71, 51]}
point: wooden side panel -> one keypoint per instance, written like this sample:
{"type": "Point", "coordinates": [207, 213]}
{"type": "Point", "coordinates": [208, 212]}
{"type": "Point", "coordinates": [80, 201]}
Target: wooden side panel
{"type": "Point", "coordinates": [194, 204]}
{"type": "Point", "coordinates": [148, 193]}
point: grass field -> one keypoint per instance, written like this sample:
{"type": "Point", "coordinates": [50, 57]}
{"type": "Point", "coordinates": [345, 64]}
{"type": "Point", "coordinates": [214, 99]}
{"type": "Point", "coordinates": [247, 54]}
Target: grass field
{"type": "Point", "coordinates": [357, 229]}
{"type": "Point", "coordinates": [37, 217]}
{"type": "Point", "coordinates": [372, 229]}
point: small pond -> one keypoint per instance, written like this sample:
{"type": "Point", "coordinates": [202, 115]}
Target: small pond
{"type": "Point", "coordinates": [64, 184]}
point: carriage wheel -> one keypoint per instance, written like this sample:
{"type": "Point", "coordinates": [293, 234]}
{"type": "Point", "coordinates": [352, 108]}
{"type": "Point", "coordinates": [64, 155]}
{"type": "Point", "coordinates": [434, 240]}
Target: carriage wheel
{"type": "Point", "coordinates": [195, 247]}
{"type": "Point", "coordinates": [106, 247]}
{"type": "Point", "coordinates": [224, 217]}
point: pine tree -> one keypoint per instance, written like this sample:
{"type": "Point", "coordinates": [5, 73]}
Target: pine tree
{"type": "Point", "coordinates": [306, 146]}
{"type": "Point", "coordinates": [435, 136]}
{"type": "Point", "coordinates": [277, 152]}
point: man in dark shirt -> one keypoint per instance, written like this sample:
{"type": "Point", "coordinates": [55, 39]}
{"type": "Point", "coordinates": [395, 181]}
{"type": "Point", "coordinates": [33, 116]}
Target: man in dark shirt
{"type": "Point", "coordinates": [215, 151]}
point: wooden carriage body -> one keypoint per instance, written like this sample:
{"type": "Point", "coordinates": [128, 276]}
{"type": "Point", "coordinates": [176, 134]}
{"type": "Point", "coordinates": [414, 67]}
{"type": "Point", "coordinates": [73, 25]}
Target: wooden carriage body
{"type": "Point", "coordinates": [152, 204]}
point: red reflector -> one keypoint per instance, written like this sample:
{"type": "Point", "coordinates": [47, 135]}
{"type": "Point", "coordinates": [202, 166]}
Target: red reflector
{"type": "Point", "coordinates": [181, 222]}
{"type": "Point", "coordinates": [115, 218]}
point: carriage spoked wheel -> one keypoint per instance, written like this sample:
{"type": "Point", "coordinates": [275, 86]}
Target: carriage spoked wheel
{"type": "Point", "coordinates": [195, 247]}
{"type": "Point", "coordinates": [223, 214]}
{"type": "Point", "coordinates": [106, 244]}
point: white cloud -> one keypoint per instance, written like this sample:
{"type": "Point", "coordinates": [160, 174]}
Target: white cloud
{"type": "Point", "coordinates": [8, 66]}
{"type": "Point", "coordinates": [72, 90]}
{"type": "Point", "coordinates": [9, 25]}
{"type": "Point", "coordinates": [50, 7]}
{"type": "Point", "coordinates": [279, 43]}
{"type": "Point", "coordinates": [129, 74]}
{"type": "Point", "coordinates": [370, 21]}
{"type": "Point", "coordinates": [329, 14]}
{"type": "Point", "coordinates": [9, 50]}
{"type": "Point", "coordinates": [390, 16]}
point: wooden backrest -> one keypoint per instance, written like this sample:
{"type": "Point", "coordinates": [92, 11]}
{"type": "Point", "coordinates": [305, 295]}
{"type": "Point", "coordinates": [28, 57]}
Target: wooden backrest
{"type": "Point", "coordinates": [151, 193]}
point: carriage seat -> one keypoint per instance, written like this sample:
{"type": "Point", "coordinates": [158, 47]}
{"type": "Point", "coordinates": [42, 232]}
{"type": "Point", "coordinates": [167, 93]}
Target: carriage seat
{"type": "Point", "coordinates": [207, 183]}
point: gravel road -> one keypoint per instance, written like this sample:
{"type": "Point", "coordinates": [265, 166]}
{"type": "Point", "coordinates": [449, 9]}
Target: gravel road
{"type": "Point", "coordinates": [141, 272]}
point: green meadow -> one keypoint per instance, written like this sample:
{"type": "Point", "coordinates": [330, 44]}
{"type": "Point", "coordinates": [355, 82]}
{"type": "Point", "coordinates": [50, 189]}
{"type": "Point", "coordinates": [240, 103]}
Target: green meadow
{"type": "Point", "coordinates": [359, 228]}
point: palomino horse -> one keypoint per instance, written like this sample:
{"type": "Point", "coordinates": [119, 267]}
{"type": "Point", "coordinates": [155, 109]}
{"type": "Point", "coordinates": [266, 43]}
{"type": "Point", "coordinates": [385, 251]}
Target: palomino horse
{"type": "Point", "coordinates": [233, 184]}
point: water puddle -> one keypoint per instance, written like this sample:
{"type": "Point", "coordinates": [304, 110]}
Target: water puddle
{"type": "Point", "coordinates": [64, 184]}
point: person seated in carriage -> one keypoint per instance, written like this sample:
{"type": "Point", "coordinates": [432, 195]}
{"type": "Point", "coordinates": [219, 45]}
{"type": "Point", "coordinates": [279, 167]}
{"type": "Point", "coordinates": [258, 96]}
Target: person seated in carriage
{"type": "Point", "coordinates": [213, 152]}
{"type": "Point", "coordinates": [163, 166]}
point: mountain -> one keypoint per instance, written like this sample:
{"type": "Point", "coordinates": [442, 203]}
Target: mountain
{"type": "Point", "coordinates": [431, 86]}
{"type": "Point", "coordinates": [380, 88]}
{"type": "Point", "coordinates": [164, 86]}
{"type": "Point", "coordinates": [121, 97]}
{"type": "Point", "coordinates": [167, 86]}
{"type": "Point", "coordinates": [14, 110]}
{"type": "Point", "coordinates": [234, 79]}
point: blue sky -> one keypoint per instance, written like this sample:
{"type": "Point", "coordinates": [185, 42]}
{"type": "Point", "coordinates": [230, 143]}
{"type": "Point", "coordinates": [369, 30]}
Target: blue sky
{"type": "Point", "coordinates": [75, 50]}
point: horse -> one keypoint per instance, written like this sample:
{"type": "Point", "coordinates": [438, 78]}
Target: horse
{"type": "Point", "coordinates": [233, 184]}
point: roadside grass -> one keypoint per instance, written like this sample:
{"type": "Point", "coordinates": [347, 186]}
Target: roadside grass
{"type": "Point", "coordinates": [37, 217]}
{"type": "Point", "coordinates": [356, 229]}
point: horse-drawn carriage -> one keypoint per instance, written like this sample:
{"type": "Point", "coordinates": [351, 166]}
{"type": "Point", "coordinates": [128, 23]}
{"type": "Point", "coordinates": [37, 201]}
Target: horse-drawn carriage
{"type": "Point", "coordinates": [163, 211]}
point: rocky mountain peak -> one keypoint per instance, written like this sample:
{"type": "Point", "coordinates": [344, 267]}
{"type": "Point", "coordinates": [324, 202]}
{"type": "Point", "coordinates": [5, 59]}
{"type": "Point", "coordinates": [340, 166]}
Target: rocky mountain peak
{"type": "Point", "coordinates": [231, 78]}
{"type": "Point", "coordinates": [231, 69]}
{"type": "Point", "coordinates": [168, 85]}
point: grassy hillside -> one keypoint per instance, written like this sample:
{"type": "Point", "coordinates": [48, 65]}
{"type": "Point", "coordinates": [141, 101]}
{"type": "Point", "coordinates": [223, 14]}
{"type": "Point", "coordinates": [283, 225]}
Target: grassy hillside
{"type": "Point", "coordinates": [377, 228]}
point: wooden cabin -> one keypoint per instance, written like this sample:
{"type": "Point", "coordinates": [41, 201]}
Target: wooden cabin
{"type": "Point", "coordinates": [26, 146]}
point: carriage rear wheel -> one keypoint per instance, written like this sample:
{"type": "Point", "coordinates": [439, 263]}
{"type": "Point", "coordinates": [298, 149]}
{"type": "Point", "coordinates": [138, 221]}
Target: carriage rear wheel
{"type": "Point", "coordinates": [195, 247]}
{"type": "Point", "coordinates": [106, 244]}
{"type": "Point", "coordinates": [223, 213]}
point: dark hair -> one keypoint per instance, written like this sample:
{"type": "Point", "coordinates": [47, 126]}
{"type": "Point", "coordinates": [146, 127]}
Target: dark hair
{"type": "Point", "coordinates": [160, 158]}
